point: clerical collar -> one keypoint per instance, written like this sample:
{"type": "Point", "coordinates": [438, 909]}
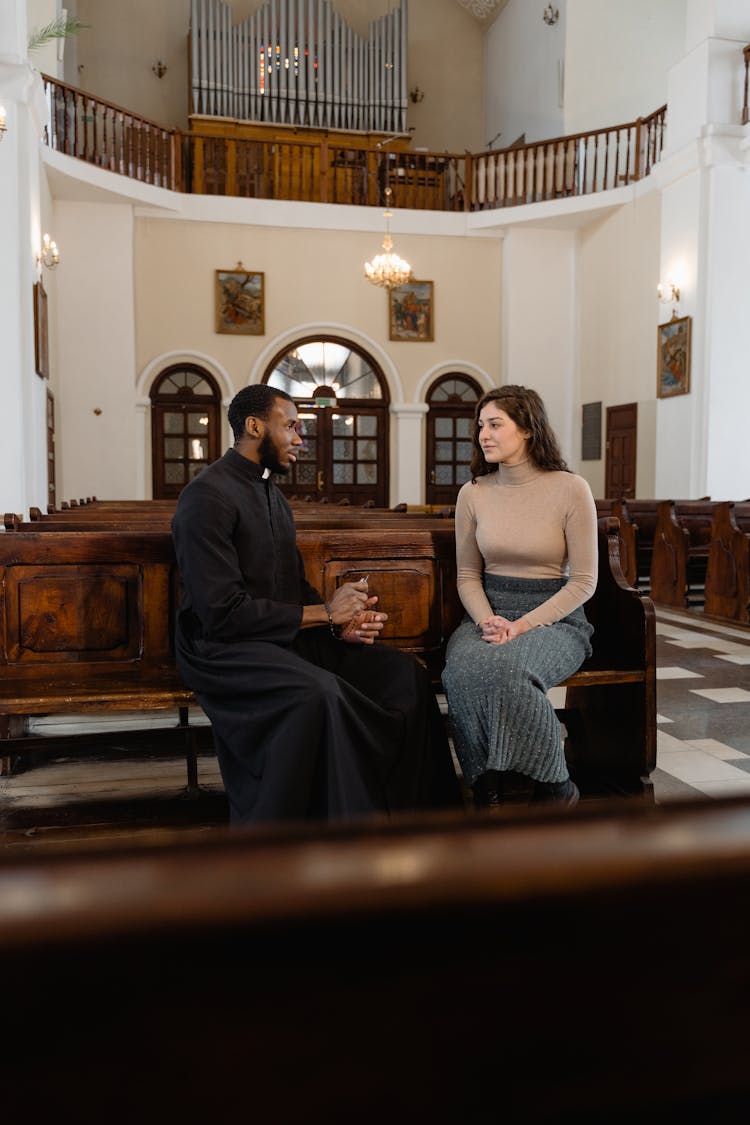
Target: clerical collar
{"type": "Point", "coordinates": [266, 474]}
{"type": "Point", "coordinates": [251, 468]}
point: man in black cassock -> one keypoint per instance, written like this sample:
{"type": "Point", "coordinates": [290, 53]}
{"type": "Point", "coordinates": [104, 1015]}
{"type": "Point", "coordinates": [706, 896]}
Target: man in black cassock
{"type": "Point", "coordinates": [307, 723]}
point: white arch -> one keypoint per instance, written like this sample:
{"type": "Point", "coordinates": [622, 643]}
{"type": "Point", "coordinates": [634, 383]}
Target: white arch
{"type": "Point", "coordinates": [450, 367]}
{"type": "Point", "coordinates": [143, 407]}
{"type": "Point", "coordinates": [286, 339]}
{"type": "Point", "coordinates": [169, 359]}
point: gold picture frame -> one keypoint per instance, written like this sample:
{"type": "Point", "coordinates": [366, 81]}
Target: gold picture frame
{"type": "Point", "coordinates": [411, 312]}
{"type": "Point", "coordinates": [240, 301]}
{"type": "Point", "coordinates": [41, 332]}
{"type": "Point", "coordinates": [673, 357]}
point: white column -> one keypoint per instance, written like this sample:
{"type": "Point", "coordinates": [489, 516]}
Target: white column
{"type": "Point", "coordinates": [701, 437]}
{"type": "Point", "coordinates": [408, 453]}
{"type": "Point", "coordinates": [540, 325]}
{"type": "Point", "coordinates": [100, 447]}
{"type": "Point", "coordinates": [23, 460]}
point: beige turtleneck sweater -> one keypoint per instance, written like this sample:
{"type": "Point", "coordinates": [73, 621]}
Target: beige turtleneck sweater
{"type": "Point", "coordinates": [524, 522]}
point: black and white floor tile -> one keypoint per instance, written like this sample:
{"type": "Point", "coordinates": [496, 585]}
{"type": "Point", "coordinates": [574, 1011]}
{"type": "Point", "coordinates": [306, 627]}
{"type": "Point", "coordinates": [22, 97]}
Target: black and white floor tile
{"type": "Point", "coordinates": [703, 705]}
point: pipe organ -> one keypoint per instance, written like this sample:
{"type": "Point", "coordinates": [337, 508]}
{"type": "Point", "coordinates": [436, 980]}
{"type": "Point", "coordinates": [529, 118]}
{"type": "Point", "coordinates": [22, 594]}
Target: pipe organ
{"type": "Point", "coordinates": [297, 62]}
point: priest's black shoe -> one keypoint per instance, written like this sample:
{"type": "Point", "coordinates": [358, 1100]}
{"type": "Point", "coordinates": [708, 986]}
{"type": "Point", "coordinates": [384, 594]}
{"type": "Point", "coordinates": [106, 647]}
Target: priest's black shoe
{"type": "Point", "coordinates": [556, 792]}
{"type": "Point", "coordinates": [487, 791]}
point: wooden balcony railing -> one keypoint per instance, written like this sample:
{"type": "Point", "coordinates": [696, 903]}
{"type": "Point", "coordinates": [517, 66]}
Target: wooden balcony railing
{"type": "Point", "coordinates": [324, 171]}
{"type": "Point", "coordinates": [111, 137]}
{"type": "Point", "coordinates": [574, 165]}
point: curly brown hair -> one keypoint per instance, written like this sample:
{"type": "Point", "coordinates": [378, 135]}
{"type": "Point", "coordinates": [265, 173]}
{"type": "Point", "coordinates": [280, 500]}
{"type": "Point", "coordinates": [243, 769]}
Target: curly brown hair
{"type": "Point", "coordinates": [526, 409]}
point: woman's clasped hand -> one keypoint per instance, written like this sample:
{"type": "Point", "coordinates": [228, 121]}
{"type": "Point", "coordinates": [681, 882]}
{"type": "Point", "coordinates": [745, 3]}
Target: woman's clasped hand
{"type": "Point", "coordinates": [498, 630]}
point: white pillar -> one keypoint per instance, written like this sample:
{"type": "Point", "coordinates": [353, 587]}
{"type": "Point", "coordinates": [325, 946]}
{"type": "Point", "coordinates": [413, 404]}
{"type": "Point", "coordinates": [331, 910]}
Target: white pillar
{"type": "Point", "coordinates": [23, 459]}
{"type": "Point", "coordinates": [540, 325]}
{"type": "Point", "coordinates": [408, 453]}
{"type": "Point", "coordinates": [701, 437]}
{"type": "Point", "coordinates": [100, 451]}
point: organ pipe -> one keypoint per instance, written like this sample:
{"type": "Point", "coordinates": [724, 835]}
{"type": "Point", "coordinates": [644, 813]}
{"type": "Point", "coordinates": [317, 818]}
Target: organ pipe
{"type": "Point", "coordinates": [297, 62]}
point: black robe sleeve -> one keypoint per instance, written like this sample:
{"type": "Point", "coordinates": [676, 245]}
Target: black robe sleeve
{"type": "Point", "coordinates": [228, 562]}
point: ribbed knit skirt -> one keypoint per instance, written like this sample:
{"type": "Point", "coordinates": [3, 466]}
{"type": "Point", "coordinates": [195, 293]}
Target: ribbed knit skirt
{"type": "Point", "coordinates": [498, 708]}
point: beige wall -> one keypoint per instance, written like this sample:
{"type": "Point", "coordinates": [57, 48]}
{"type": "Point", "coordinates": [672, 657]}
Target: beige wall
{"type": "Point", "coordinates": [618, 275]}
{"type": "Point", "coordinates": [114, 60]}
{"type": "Point", "coordinates": [311, 277]}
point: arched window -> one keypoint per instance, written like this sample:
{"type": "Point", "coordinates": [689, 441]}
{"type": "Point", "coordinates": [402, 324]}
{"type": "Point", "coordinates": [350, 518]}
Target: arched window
{"type": "Point", "coordinates": [451, 399]}
{"type": "Point", "coordinates": [342, 400]}
{"type": "Point", "coordinates": [185, 427]}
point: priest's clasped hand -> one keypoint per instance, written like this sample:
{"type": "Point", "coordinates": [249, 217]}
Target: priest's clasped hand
{"type": "Point", "coordinates": [351, 607]}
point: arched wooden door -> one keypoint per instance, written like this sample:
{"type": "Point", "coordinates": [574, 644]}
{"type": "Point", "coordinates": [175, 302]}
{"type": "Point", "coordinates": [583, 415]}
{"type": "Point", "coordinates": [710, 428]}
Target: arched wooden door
{"type": "Point", "coordinates": [185, 427]}
{"type": "Point", "coordinates": [452, 399]}
{"type": "Point", "coordinates": [342, 400]}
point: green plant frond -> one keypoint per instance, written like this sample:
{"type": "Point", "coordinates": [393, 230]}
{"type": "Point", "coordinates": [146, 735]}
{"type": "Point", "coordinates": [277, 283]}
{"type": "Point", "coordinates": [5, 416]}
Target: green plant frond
{"type": "Point", "coordinates": [61, 28]}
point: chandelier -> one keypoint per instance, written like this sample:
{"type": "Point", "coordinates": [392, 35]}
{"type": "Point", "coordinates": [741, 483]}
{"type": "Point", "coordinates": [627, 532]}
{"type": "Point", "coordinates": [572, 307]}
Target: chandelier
{"type": "Point", "coordinates": [387, 269]}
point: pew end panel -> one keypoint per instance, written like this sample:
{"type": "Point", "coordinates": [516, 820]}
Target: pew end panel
{"type": "Point", "coordinates": [610, 703]}
{"type": "Point", "coordinates": [412, 571]}
{"type": "Point", "coordinates": [86, 627]}
{"type": "Point", "coordinates": [728, 571]}
{"type": "Point", "coordinates": [681, 551]}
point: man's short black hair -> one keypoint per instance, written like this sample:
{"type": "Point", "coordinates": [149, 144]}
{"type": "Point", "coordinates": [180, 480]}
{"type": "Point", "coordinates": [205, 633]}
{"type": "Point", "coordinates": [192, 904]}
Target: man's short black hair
{"type": "Point", "coordinates": [255, 401]}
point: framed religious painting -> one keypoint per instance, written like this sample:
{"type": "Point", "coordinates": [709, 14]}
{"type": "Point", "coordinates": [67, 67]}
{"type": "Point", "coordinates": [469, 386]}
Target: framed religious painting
{"type": "Point", "coordinates": [673, 357]}
{"type": "Point", "coordinates": [411, 312]}
{"type": "Point", "coordinates": [240, 302]}
{"type": "Point", "coordinates": [41, 332]}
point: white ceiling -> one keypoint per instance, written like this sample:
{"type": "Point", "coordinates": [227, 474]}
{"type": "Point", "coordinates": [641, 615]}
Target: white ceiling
{"type": "Point", "coordinates": [484, 10]}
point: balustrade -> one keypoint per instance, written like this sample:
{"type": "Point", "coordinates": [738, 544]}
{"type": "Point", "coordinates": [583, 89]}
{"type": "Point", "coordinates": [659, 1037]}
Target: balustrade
{"type": "Point", "coordinates": [336, 168]}
{"type": "Point", "coordinates": [109, 136]}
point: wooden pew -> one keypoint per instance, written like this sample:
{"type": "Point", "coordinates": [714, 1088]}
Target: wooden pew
{"type": "Point", "coordinates": [370, 973]}
{"type": "Point", "coordinates": [86, 621]}
{"type": "Point", "coordinates": [680, 555]}
{"type": "Point", "coordinates": [728, 569]}
{"type": "Point", "coordinates": [642, 515]}
{"type": "Point", "coordinates": [88, 618]}
{"type": "Point", "coordinates": [628, 533]}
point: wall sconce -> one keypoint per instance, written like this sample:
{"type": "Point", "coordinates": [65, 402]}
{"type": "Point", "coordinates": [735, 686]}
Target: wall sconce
{"type": "Point", "coordinates": [550, 15]}
{"type": "Point", "coordinates": [50, 255]}
{"type": "Point", "coordinates": [159, 69]}
{"type": "Point", "coordinates": [416, 95]}
{"type": "Point", "coordinates": [667, 292]}
{"type": "Point", "coordinates": [3, 122]}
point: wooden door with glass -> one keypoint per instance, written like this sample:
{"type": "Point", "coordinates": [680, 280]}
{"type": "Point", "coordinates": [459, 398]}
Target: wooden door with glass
{"type": "Point", "coordinates": [185, 427]}
{"type": "Point", "coordinates": [452, 400]}
{"type": "Point", "coordinates": [342, 402]}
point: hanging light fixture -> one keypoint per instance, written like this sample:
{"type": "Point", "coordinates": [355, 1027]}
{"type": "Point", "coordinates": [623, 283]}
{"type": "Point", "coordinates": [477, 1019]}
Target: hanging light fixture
{"type": "Point", "coordinates": [388, 269]}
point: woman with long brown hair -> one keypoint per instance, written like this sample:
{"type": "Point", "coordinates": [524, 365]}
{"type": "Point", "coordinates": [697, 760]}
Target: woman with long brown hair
{"type": "Point", "coordinates": [526, 553]}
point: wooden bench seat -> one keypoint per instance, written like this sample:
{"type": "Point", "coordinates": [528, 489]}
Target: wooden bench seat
{"type": "Point", "coordinates": [88, 622]}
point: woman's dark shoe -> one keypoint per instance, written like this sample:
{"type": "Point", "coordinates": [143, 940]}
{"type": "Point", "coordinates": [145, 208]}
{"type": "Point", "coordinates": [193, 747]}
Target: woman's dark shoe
{"type": "Point", "coordinates": [487, 791]}
{"type": "Point", "coordinates": [556, 792]}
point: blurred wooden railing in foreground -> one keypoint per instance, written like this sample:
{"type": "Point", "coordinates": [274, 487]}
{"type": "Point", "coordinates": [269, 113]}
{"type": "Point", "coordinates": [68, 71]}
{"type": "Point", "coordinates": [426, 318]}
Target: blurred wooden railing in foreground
{"type": "Point", "coordinates": [337, 169]}
{"type": "Point", "coordinates": [535, 969]}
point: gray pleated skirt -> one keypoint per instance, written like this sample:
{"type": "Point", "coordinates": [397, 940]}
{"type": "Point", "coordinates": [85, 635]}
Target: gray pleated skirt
{"type": "Point", "coordinates": [498, 708]}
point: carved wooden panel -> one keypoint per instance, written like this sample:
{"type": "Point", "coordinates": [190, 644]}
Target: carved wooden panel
{"type": "Point", "coordinates": [73, 613]}
{"type": "Point", "coordinates": [406, 592]}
